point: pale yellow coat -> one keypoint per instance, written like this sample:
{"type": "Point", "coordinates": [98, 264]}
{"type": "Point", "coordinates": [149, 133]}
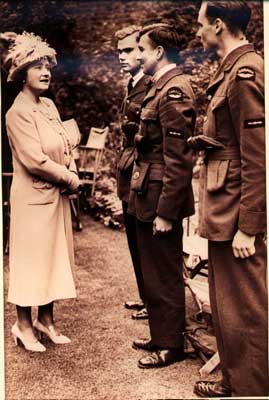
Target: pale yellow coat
{"type": "Point", "coordinates": [41, 242]}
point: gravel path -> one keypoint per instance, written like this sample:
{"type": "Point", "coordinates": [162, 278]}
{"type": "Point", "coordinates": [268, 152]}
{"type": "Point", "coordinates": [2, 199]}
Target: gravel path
{"type": "Point", "coordinates": [99, 363]}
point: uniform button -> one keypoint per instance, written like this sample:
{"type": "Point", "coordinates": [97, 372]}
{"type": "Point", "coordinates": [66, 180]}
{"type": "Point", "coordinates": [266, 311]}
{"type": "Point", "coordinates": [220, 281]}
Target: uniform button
{"type": "Point", "coordinates": [209, 97]}
{"type": "Point", "coordinates": [125, 117]}
{"type": "Point", "coordinates": [127, 101]}
{"type": "Point", "coordinates": [136, 175]}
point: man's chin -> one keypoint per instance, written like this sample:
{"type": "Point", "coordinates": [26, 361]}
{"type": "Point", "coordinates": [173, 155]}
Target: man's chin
{"type": "Point", "coordinates": [125, 69]}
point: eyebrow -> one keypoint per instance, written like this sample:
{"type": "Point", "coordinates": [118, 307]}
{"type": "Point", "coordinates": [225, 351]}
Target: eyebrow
{"type": "Point", "coordinates": [126, 49]}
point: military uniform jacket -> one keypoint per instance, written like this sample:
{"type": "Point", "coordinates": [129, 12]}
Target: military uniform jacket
{"type": "Point", "coordinates": [232, 191]}
{"type": "Point", "coordinates": [130, 117]}
{"type": "Point", "coordinates": [161, 181]}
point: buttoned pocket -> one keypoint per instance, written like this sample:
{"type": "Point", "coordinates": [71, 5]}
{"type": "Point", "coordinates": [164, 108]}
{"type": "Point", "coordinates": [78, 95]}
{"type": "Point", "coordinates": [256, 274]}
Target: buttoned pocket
{"type": "Point", "coordinates": [217, 102]}
{"type": "Point", "coordinates": [43, 192]}
{"type": "Point", "coordinates": [139, 182]}
{"type": "Point", "coordinates": [149, 114]}
{"type": "Point", "coordinates": [217, 171]}
{"type": "Point", "coordinates": [146, 206]}
{"type": "Point", "coordinates": [216, 123]}
{"type": "Point", "coordinates": [127, 159]}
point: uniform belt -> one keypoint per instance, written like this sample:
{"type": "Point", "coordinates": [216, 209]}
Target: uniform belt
{"type": "Point", "coordinates": [156, 172]}
{"type": "Point", "coordinates": [229, 153]}
{"type": "Point", "coordinates": [153, 158]}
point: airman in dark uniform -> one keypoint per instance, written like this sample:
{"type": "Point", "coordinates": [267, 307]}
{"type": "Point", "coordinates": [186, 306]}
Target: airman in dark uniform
{"type": "Point", "coordinates": [127, 44]}
{"type": "Point", "coordinates": [232, 203]}
{"type": "Point", "coordinates": [161, 194]}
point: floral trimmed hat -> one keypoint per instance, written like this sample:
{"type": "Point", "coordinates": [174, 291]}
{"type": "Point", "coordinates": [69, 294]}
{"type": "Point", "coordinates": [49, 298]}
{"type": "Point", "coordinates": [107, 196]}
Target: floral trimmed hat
{"type": "Point", "coordinates": [26, 49]}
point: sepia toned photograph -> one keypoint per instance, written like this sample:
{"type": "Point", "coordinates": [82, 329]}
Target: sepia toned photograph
{"type": "Point", "coordinates": [134, 245]}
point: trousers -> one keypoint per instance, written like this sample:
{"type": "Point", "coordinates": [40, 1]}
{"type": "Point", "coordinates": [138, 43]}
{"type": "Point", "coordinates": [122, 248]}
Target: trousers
{"type": "Point", "coordinates": [161, 263]}
{"type": "Point", "coordinates": [130, 227]}
{"type": "Point", "coordinates": [239, 305]}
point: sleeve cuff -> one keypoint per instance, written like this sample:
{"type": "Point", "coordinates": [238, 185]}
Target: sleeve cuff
{"type": "Point", "coordinates": [251, 222]}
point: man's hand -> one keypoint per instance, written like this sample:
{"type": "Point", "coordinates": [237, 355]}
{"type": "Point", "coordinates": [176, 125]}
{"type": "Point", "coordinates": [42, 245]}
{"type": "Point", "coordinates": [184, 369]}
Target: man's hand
{"type": "Point", "coordinates": [243, 245]}
{"type": "Point", "coordinates": [161, 226]}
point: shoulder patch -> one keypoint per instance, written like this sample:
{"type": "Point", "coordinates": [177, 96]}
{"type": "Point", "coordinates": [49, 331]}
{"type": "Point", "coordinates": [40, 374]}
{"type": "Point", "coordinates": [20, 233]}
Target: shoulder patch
{"type": "Point", "coordinates": [245, 73]}
{"type": "Point", "coordinates": [175, 93]}
{"type": "Point", "coordinates": [254, 123]}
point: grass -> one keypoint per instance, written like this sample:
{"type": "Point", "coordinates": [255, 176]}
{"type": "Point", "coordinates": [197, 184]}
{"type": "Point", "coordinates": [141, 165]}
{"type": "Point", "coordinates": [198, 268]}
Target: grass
{"type": "Point", "coordinates": [99, 363]}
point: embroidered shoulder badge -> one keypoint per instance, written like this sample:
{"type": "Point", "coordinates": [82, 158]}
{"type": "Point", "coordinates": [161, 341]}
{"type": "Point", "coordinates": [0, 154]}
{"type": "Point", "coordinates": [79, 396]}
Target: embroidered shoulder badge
{"type": "Point", "coordinates": [175, 93]}
{"type": "Point", "coordinates": [245, 73]}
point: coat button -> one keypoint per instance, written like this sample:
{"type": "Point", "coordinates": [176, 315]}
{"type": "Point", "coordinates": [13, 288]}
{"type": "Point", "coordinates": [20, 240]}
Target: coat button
{"type": "Point", "coordinates": [136, 175]}
{"type": "Point", "coordinates": [209, 97]}
{"type": "Point", "coordinates": [125, 117]}
{"type": "Point", "coordinates": [127, 101]}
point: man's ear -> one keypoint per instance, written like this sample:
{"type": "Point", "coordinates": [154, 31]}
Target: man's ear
{"type": "Point", "coordinates": [160, 52]}
{"type": "Point", "coordinates": [218, 26]}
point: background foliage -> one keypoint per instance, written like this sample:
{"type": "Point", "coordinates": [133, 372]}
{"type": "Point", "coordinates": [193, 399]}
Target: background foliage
{"type": "Point", "coordinates": [88, 84]}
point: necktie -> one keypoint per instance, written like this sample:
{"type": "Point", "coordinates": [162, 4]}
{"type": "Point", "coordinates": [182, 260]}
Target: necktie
{"type": "Point", "coordinates": [130, 85]}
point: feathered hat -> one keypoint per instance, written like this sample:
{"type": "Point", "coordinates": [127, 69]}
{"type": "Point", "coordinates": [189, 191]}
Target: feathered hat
{"type": "Point", "coordinates": [26, 49]}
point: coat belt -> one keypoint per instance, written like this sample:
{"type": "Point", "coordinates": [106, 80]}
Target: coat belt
{"type": "Point", "coordinates": [152, 158]}
{"type": "Point", "coordinates": [229, 153]}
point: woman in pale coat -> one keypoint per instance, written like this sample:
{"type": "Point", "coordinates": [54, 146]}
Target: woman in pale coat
{"type": "Point", "coordinates": [41, 244]}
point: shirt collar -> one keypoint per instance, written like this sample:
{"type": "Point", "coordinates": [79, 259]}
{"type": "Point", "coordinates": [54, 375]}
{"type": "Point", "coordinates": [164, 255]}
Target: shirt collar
{"type": "Point", "coordinates": [137, 77]}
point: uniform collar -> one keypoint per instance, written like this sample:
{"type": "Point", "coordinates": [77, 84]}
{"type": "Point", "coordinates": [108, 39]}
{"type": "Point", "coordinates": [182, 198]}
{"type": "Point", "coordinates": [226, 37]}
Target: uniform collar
{"type": "Point", "coordinates": [228, 63]}
{"type": "Point", "coordinates": [169, 74]}
{"type": "Point", "coordinates": [162, 71]}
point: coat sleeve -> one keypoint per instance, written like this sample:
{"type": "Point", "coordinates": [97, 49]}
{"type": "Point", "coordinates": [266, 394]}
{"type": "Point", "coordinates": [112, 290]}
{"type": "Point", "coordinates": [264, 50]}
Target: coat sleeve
{"type": "Point", "coordinates": [177, 119]}
{"type": "Point", "coordinates": [25, 142]}
{"type": "Point", "coordinates": [246, 101]}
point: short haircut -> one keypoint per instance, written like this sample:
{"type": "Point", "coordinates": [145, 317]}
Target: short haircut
{"type": "Point", "coordinates": [127, 31]}
{"type": "Point", "coordinates": [235, 14]}
{"type": "Point", "coordinates": [165, 35]}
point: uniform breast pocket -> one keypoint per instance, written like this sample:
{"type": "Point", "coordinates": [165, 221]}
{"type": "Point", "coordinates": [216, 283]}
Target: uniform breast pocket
{"type": "Point", "coordinates": [133, 112]}
{"type": "Point", "coordinates": [216, 120]}
{"type": "Point", "coordinates": [42, 192]}
{"type": "Point", "coordinates": [150, 125]}
{"type": "Point", "coordinates": [149, 114]}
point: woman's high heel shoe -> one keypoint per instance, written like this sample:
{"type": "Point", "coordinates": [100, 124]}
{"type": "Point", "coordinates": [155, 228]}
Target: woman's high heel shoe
{"type": "Point", "coordinates": [55, 337]}
{"type": "Point", "coordinates": [28, 344]}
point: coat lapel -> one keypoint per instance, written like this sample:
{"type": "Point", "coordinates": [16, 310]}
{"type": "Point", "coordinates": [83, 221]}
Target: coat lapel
{"type": "Point", "coordinates": [227, 64]}
{"type": "Point", "coordinates": [161, 82]}
{"type": "Point", "coordinates": [139, 87]}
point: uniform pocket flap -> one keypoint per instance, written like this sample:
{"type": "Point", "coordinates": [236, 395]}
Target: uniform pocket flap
{"type": "Point", "coordinates": [126, 159]}
{"type": "Point", "coordinates": [140, 177]}
{"type": "Point", "coordinates": [134, 108]}
{"type": "Point", "coordinates": [217, 102]}
{"type": "Point", "coordinates": [216, 174]}
{"type": "Point", "coordinates": [149, 113]}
